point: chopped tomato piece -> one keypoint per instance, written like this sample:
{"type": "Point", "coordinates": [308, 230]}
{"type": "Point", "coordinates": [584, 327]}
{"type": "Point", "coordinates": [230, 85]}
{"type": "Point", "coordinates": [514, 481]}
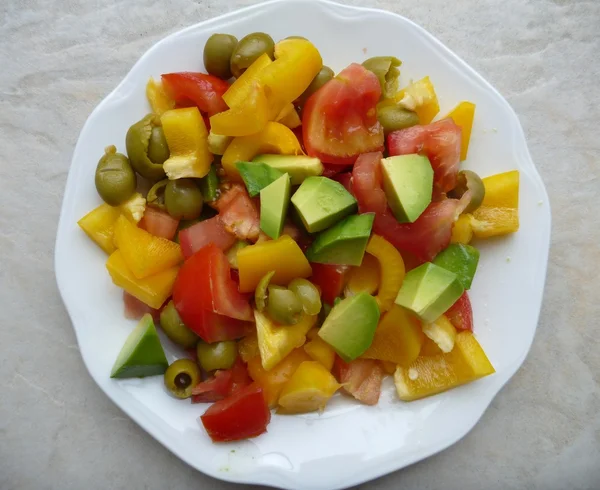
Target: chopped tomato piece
{"type": "Point", "coordinates": [439, 141]}
{"type": "Point", "coordinates": [360, 378]}
{"type": "Point", "coordinates": [346, 180]}
{"type": "Point", "coordinates": [135, 309]}
{"type": "Point", "coordinates": [460, 313]}
{"type": "Point", "coordinates": [213, 389]}
{"type": "Point", "coordinates": [242, 415]}
{"type": "Point", "coordinates": [331, 170]}
{"type": "Point", "coordinates": [201, 234]}
{"type": "Point", "coordinates": [159, 223]}
{"type": "Point", "coordinates": [331, 280]}
{"type": "Point", "coordinates": [204, 91]}
{"type": "Point", "coordinates": [339, 120]}
{"type": "Point", "coordinates": [239, 213]}
{"type": "Point", "coordinates": [367, 181]}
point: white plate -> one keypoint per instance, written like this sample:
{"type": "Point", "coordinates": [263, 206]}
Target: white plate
{"type": "Point", "coordinates": [348, 443]}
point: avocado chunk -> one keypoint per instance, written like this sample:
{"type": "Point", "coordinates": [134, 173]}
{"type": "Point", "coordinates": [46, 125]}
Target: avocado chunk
{"type": "Point", "coordinates": [408, 185]}
{"type": "Point", "coordinates": [274, 202]}
{"type": "Point", "coordinates": [428, 291]}
{"type": "Point", "coordinates": [460, 259]}
{"type": "Point", "coordinates": [298, 166]}
{"type": "Point", "coordinates": [350, 326]}
{"type": "Point", "coordinates": [322, 202]}
{"type": "Point", "coordinates": [257, 176]}
{"type": "Point", "coordinates": [141, 355]}
{"type": "Point", "coordinates": [344, 243]}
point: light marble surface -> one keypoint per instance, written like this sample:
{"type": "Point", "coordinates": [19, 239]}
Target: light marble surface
{"type": "Point", "coordinates": [59, 58]}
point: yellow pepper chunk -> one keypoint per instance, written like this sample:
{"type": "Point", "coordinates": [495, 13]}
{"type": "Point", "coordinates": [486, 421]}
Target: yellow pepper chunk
{"type": "Point", "coordinates": [134, 208]}
{"type": "Point", "coordinates": [365, 277]}
{"type": "Point", "coordinates": [274, 138]}
{"type": "Point", "coordinates": [420, 97]}
{"type": "Point", "coordinates": [289, 117]}
{"type": "Point", "coordinates": [99, 225]}
{"type": "Point", "coordinates": [152, 290]}
{"type": "Point", "coordinates": [442, 332]}
{"type": "Point", "coordinates": [276, 341]}
{"type": "Point", "coordinates": [431, 375]}
{"type": "Point", "coordinates": [187, 138]}
{"type": "Point", "coordinates": [144, 253]}
{"type": "Point", "coordinates": [398, 338]}
{"type": "Point", "coordinates": [462, 231]}
{"type": "Point", "coordinates": [239, 90]}
{"type": "Point", "coordinates": [430, 348]}
{"type": "Point", "coordinates": [243, 120]}
{"type": "Point", "coordinates": [392, 270]}
{"type": "Point", "coordinates": [502, 190]}
{"type": "Point", "coordinates": [273, 381]}
{"type": "Point", "coordinates": [463, 115]}
{"type": "Point", "coordinates": [319, 350]}
{"type": "Point", "coordinates": [308, 390]}
{"type": "Point", "coordinates": [283, 256]}
{"type": "Point", "coordinates": [158, 98]}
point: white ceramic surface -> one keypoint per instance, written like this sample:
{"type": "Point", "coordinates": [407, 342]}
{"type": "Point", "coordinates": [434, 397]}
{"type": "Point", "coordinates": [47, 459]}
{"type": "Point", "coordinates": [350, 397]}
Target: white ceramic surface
{"type": "Point", "coordinates": [348, 443]}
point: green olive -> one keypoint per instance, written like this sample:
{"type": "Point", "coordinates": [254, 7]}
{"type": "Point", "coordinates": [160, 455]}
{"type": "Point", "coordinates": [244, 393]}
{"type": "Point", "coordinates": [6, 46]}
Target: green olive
{"type": "Point", "coordinates": [260, 294]}
{"type": "Point", "coordinates": [386, 70]}
{"type": "Point", "coordinates": [158, 149]}
{"type": "Point", "coordinates": [283, 305]}
{"type": "Point", "coordinates": [138, 143]}
{"type": "Point", "coordinates": [181, 377]}
{"type": "Point", "coordinates": [217, 55]}
{"type": "Point", "coordinates": [183, 199]}
{"type": "Point", "coordinates": [468, 180]}
{"type": "Point", "coordinates": [156, 194]}
{"type": "Point", "coordinates": [308, 294]}
{"type": "Point", "coordinates": [393, 117]}
{"type": "Point", "coordinates": [249, 49]}
{"type": "Point", "coordinates": [115, 179]}
{"type": "Point", "coordinates": [175, 329]}
{"type": "Point", "coordinates": [218, 355]}
{"type": "Point", "coordinates": [321, 78]}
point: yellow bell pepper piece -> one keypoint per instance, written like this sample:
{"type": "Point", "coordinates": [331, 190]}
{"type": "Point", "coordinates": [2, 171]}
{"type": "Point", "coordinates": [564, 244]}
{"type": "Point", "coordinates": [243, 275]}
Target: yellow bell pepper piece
{"type": "Point", "coordinates": [248, 347]}
{"type": "Point", "coordinates": [289, 117]}
{"type": "Point", "coordinates": [283, 256]}
{"type": "Point", "coordinates": [430, 348]}
{"type": "Point", "coordinates": [245, 119]}
{"type": "Point", "coordinates": [463, 115]}
{"type": "Point", "coordinates": [239, 90]}
{"type": "Point", "coordinates": [392, 270]}
{"type": "Point", "coordinates": [158, 98]}
{"type": "Point", "coordinates": [319, 350]}
{"type": "Point", "coordinates": [144, 253]}
{"type": "Point", "coordinates": [499, 212]}
{"type": "Point", "coordinates": [276, 341]}
{"type": "Point", "coordinates": [442, 332]}
{"type": "Point", "coordinates": [134, 208]}
{"type": "Point", "coordinates": [99, 225]}
{"type": "Point", "coordinates": [152, 290]}
{"type": "Point", "coordinates": [365, 277]}
{"type": "Point", "coordinates": [273, 381]}
{"type": "Point", "coordinates": [462, 231]}
{"type": "Point", "coordinates": [420, 97]}
{"type": "Point", "coordinates": [187, 138]}
{"type": "Point", "coordinates": [274, 138]}
{"type": "Point", "coordinates": [398, 338]}
{"type": "Point", "coordinates": [431, 375]}
{"type": "Point", "coordinates": [308, 390]}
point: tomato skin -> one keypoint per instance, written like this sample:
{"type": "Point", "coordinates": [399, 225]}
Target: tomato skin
{"type": "Point", "coordinates": [213, 389]}
{"type": "Point", "coordinates": [331, 280]}
{"type": "Point", "coordinates": [367, 182]}
{"type": "Point", "coordinates": [207, 299]}
{"type": "Point", "coordinates": [440, 142]}
{"type": "Point", "coordinates": [339, 121]}
{"type": "Point", "coordinates": [159, 223]}
{"type": "Point", "coordinates": [460, 313]}
{"type": "Point", "coordinates": [205, 91]}
{"type": "Point", "coordinates": [361, 378]}
{"type": "Point", "coordinates": [201, 234]}
{"type": "Point", "coordinates": [239, 213]}
{"type": "Point", "coordinates": [242, 415]}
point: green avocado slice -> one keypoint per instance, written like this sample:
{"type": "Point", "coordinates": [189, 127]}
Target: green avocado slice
{"type": "Point", "coordinates": [460, 259]}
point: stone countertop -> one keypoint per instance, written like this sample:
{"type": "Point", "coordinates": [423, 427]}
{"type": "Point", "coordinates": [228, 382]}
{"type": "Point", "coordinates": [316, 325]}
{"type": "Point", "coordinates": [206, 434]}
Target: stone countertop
{"type": "Point", "coordinates": [59, 58]}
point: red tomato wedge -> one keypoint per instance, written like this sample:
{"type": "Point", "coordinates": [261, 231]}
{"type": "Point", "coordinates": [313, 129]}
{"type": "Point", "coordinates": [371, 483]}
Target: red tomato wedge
{"type": "Point", "coordinates": [330, 279]}
{"type": "Point", "coordinates": [367, 182]}
{"type": "Point", "coordinates": [213, 389]}
{"type": "Point", "coordinates": [460, 313]}
{"type": "Point", "coordinates": [205, 91]}
{"type": "Point", "coordinates": [240, 416]}
{"type": "Point", "coordinates": [424, 238]}
{"type": "Point", "coordinates": [361, 378]}
{"type": "Point", "coordinates": [239, 213]}
{"type": "Point", "coordinates": [207, 298]}
{"type": "Point", "coordinates": [135, 309]}
{"type": "Point", "coordinates": [201, 234]}
{"type": "Point", "coordinates": [439, 141]}
{"type": "Point", "coordinates": [159, 223]}
{"type": "Point", "coordinates": [240, 378]}
{"type": "Point", "coordinates": [339, 121]}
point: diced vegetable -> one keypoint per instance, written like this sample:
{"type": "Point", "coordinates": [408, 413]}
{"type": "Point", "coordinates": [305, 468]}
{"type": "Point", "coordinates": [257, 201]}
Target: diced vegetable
{"type": "Point", "coordinates": [420, 97]}
{"type": "Point", "coordinates": [442, 332]}
{"type": "Point", "coordinates": [392, 270]}
{"type": "Point", "coordinates": [159, 101]}
{"type": "Point", "coordinates": [499, 212]}
{"type": "Point", "coordinates": [99, 225]}
{"type": "Point", "coordinates": [360, 378]}
{"type": "Point", "coordinates": [463, 115]}
{"type": "Point", "coordinates": [308, 390]}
